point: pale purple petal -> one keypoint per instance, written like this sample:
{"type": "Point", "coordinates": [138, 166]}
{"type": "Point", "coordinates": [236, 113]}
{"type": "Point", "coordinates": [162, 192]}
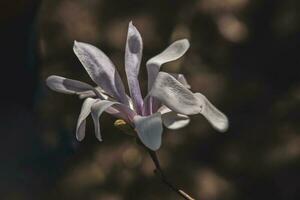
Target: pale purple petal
{"type": "Point", "coordinates": [97, 109]}
{"type": "Point", "coordinates": [67, 86]}
{"type": "Point", "coordinates": [174, 95]}
{"type": "Point", "coordinates": [101, 70]}
{"type": "Point", "coordinates": [149, 130]}
{"type": "Point", "coordinates": [93, 93]}
{"type": "Point", "coordinates": [85, 111]}
{"type": "Point", "coordinates": [217, 119]}
{"type": "Point", "coordinates": [147, 108]}
{"type": "Point", "coordinates": [133, 56]}
{"type": "Point", "coordinates": [127, 113]}
{"type": "Point", "coordinates": [87, 94]}
{"type": "Point", "coordinates": [114, 108]}
{"type": "Point", "coordinates": [173, 52]}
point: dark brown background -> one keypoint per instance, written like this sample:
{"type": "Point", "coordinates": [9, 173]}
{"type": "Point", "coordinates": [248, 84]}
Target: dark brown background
{"type": "Point", "coordinates": [244, 57]}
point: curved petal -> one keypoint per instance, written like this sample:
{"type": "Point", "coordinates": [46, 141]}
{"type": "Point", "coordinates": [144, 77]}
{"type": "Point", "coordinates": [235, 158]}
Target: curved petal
{"type": "Point", "coordinates": [217, 119]}
{"type": "Point", "coordinates": [149, 130]}
{"type": "Point", "coordinates": [97, 109]}
{"type": "Point", "coordinates": [173, 52]}
{"type": "Point", "coordinates": [174, 95]}
{"type": "Point", "coordinates": [151, 105]}
{"type": "Point", "coordinates": [179, 99]}
{"type": "Point", "coordinates": [133, 57]}
{"type": "Point", "coordinates": [173, 120]}
{"type": "Point", "coordinates": [67, 86]}
{"type": "Point", "coordinates": [101, 70]}
{"type": "Point", "coordinates": [114, 108]}
{"type": "Point", "coordinates": [85, 111]}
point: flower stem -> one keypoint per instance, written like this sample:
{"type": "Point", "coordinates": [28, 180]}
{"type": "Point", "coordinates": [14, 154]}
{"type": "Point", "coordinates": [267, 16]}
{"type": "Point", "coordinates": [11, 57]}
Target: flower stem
{"type": "Point", "coordinates": [158, 171]}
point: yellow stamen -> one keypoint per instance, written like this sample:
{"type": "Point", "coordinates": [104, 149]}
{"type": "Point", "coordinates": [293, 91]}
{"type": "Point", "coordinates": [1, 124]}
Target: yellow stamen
{"type": "Point", "coordinates": [124, 127]}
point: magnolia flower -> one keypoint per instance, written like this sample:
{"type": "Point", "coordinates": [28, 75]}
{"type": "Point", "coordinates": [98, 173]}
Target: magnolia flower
{"type": "Point", "coordinates": [168, 102]}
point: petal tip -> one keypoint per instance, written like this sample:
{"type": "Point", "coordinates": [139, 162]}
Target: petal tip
{"type": "Point", "coordinates": [75, 43]}
{"type": "Point", "coordinates": [225, 125]}
{"type": "Point", "coordinates": [79, 138]}
{"type": "Point", "coordinates": [99, 139]}
{"type": "Point", "coordinates": [186, 41]}
{"type": "Point", "coordinates": [222, 125]}
{"type": "Point", "coordinates": [49, 79]}
{"type": "Point", "coordinates": [185, 44]}
{"type": "Point", "coordinates": [154, 148]}
{"type": "Point", "coordinates": [52, 80]}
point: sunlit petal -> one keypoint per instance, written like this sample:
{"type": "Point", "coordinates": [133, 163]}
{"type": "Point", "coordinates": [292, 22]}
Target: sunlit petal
{"type": "Point", "coordinates": [217, 119]}
{"type": "Point", "coordinates": [174, 95]}
{"type": "Point", "coordinates": [101, 70]}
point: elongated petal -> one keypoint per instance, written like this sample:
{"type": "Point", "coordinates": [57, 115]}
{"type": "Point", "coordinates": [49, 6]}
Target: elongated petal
{"type": "Point", "coordinates": [173, 120]}
{"type": "Point", "coordinates": [86, 94]}
{"type": "Point", "coordinates": [179, 99]}
{"type": "Point", "coordinates": [217, 119]}
{"type": "Point", "coordinates": [149, 130]}
{"type": "Point", "coordinates": [173, 52]}
{"type": "Point", "coordinates": [101, 70]}
{"type": "Point", "coordinates": [93, 93]}
{"type": "Point", "coordinates": [67, 86]}
{"type": "Point", "coordinates": [133, 56]}
{"type": "Point", "coordinates": [174, 95]}
{"type": "Point", "coordinates": [85, 111]}
{"type": "Point", "coordinates": [97, 109]}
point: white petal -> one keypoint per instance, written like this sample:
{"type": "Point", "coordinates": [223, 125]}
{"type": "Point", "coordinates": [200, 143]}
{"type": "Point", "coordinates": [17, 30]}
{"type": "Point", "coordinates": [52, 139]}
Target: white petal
{"type": "Point", "coordinates": [173, 52]}
{"type": "Point", "coordinates": [85, 111]}
{"type": "Point", "coordinates": [174, 95]}
{"type": "Point", "coordinates": [217, 119]}
{"type": "Point", "coordinates": [97, 109]}
{"type": "Point", "coordinates": [67, 86]}
{"type": "Point", "coordinates": [101, 70]}
{"type": "Point", "coordinates": [179, 99]}
{"type": "Point", "coordinates": [133, 57]}
{"type": "Point", "coordinates": [174, 121]}
{"type": "Point", "coordinates": [149, 130]}
{"type": "Point", "coordinates": [181, 79]}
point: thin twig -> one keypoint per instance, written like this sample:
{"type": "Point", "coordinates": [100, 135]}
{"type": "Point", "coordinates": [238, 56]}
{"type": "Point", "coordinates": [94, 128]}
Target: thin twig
{"type": "Point", "coordinates": [158, 171]}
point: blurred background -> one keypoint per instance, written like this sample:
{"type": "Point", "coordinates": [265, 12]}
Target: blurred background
{"type": "Point", "coordinates": [244, 57]}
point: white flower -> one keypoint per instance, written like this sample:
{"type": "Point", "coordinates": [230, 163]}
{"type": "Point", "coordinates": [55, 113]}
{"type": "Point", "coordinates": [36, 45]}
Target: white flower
{"type": "Point", "coordinates": [168, 102]}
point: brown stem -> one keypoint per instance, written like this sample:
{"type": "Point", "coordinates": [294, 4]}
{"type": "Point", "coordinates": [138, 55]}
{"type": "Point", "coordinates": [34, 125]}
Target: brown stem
{"type": "Point", "coordinates": [158, 171]}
